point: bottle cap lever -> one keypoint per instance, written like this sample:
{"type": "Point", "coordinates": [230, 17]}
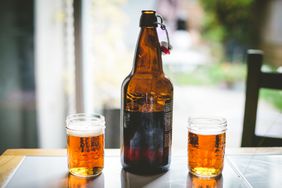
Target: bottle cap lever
{"type": "Point", "coordinates": [165, 46]}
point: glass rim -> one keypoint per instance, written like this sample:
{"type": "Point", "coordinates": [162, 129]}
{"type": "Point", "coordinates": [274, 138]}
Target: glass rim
{"type": "Point", "coordinates": [207, 124]}
{"type": "Point", "coordinates": [95, 118]}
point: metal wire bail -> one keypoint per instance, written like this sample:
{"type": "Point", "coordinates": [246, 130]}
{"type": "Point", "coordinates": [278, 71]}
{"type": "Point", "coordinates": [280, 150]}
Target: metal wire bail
{"type": "Point", "coordinates": [163, 27]}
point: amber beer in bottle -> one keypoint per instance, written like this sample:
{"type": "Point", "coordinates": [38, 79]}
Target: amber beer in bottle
{"type": "Point", "coordinates": [146, 109]}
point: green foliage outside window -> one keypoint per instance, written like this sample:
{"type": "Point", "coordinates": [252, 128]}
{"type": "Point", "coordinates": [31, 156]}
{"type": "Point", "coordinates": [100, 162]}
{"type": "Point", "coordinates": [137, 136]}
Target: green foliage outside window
{"type": "Point", "coordinates": [227, 19]}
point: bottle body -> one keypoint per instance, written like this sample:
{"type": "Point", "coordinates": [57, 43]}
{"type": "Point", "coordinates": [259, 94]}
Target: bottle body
{"type": "Point", "coordinates": [146, 110]}
{"type": "Point", "coordinates": [147, 125]}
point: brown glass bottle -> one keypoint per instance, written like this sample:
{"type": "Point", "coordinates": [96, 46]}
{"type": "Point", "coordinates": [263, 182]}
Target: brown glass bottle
{"type": "Point", "coordinates": [146, 109]}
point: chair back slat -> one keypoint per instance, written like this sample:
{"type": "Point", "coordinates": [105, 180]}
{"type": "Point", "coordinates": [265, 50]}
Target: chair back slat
{"type": "Point", "coordinates": [271, 80]}
{"type": "Point", "coordinates": [256, 79]}
{"type": "Point", "coordinates": [262, 141]}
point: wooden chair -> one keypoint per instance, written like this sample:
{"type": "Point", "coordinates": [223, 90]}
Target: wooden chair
{"type": "Point", "coordinates": [257, 79]}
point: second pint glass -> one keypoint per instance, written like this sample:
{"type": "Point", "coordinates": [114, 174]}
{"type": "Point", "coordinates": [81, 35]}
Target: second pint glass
{"type": "Point", "coordinates": [85, 144]}
{"type": "Point", "coordinates": [206, 145]}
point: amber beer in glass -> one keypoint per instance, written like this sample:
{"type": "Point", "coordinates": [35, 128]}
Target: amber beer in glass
{"type": "Point", "coordinates": [206, 145]}
{"type": "Point", "coordinates": [146, 105]}
{"type": "Point", "coordinates": [85, 144]}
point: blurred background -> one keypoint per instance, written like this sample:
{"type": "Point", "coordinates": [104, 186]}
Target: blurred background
{"type": "Point", "coordinates": [39, 84]}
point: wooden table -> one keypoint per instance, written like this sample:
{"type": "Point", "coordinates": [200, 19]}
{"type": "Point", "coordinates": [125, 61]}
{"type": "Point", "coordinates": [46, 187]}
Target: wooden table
{"type": "Point", "coordinates": [244, 167]}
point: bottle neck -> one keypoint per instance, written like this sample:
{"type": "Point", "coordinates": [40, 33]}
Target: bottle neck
{"type": "Point", "coordinates": [148, 54]}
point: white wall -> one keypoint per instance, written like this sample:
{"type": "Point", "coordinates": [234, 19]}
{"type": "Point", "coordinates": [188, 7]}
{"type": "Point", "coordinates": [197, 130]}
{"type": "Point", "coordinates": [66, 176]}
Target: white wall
{"type": "Point", "coordinates": [49, 62]}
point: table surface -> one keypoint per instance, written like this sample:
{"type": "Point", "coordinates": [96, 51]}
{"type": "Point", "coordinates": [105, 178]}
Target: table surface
{"type": "Point", "coordinates": [244, 167]}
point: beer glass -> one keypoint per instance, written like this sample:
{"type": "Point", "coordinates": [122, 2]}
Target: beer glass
{"type": "Point", "coordinates": [85, 144]}
{"type": "Point", "coordinates": [206, 145]}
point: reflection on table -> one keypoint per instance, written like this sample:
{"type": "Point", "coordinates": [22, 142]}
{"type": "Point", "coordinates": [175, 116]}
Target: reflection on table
{"type": "Point", "coordinates": [199, 182]}
{"type": "Point", "coordinates": [257, 168]}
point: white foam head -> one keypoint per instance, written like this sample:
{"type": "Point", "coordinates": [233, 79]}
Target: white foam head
{"type": "Point", "coordinates": [206, 130]}
{"type": "Point", "coordinates": [207, 125]}
{"type": "Point", "coordinates": [85, 125]}
{"type": "Point", "coordinates": [85, 129]}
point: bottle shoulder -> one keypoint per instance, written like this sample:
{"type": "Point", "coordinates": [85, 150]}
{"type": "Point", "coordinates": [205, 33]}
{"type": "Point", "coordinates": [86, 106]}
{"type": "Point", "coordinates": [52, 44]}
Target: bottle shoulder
{"type": "Point", "coordinates": [147, 78]}
{"type": "Point", "coordinates": [145, 83]}
{"type": "Point", "coordinates": [126, 81]}
{"type": "Point", "coordinates": [168, 81]}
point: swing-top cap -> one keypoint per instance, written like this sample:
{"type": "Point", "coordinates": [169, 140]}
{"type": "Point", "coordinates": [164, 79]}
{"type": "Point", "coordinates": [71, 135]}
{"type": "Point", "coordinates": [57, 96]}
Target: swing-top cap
{"type": "Point", "coordinates": [148, 19]}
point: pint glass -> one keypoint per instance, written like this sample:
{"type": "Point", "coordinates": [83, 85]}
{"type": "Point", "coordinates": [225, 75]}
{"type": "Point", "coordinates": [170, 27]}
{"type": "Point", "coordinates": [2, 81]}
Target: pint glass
{"type": "Point", "coordinates": [206, 145]}
{"type": "Point", "coordinates": [85, 144]}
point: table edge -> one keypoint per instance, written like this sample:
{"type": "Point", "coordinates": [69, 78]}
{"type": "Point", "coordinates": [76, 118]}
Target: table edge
{"type": "Point", "coordinates": [114, 152]}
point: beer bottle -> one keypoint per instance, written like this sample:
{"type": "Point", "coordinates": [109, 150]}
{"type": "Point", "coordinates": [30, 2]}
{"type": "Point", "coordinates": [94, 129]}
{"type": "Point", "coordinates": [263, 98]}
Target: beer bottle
{"type": "Point", "coordinates": [146, 107]}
